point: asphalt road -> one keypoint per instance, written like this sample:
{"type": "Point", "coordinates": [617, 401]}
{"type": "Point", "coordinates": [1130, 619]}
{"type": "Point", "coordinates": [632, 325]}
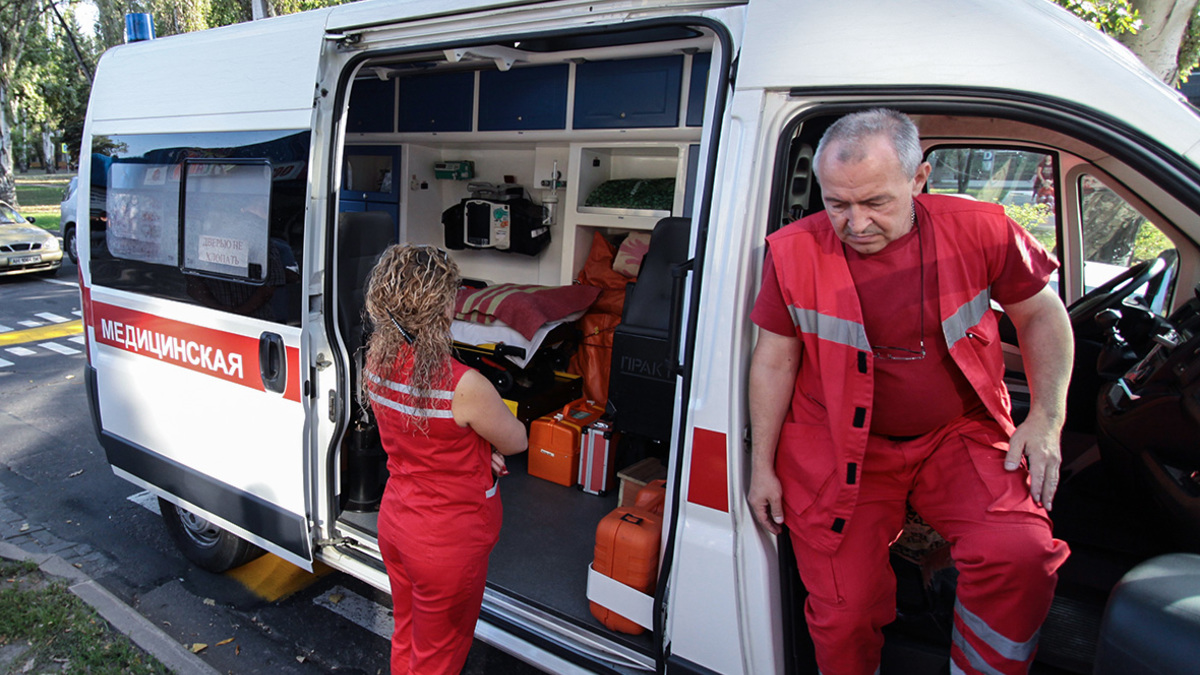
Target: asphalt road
{"type": "Point", "coordinates": [53, 474]}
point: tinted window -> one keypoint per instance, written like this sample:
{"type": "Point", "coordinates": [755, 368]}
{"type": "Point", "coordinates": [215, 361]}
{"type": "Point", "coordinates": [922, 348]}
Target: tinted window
{"type": "Point", "coordinates": [1116, 237]}
{"type": "Point", "coordinates": [1022, 181]}
{"type": "Point", "coordinates": [212, 219]}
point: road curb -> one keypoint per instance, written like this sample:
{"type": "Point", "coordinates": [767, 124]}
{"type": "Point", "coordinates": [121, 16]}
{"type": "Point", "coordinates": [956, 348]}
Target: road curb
{"type": "Point", "coordinates": [120, 615]}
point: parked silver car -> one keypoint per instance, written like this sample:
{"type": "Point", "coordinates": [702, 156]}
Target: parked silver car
{"type": "Point", "coordinates": [68, 220]}
{"type": "Point", "coordinates": [25, 247]}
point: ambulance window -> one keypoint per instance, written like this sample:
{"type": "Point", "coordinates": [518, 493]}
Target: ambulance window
{"type": "Point", "coordinates": [226, 209]}
{"type": "Point", "coordinates": [1022, 181]}
{"type": "Point", "coordinates": [211, 219]}
{"type": "Point", "coordinates": [1116, 237]}
{"type": "Point", "coordinates": [143, 210]}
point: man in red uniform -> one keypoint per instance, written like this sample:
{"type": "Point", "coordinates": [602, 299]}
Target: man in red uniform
{"type": "Point", "coordinates": [877, 380]}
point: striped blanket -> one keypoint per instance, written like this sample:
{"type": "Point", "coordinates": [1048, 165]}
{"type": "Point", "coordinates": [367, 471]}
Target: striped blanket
{"type": "Point", "coordinates": [522, 307]}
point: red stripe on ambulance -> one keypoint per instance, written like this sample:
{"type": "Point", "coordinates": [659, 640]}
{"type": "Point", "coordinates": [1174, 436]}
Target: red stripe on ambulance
{"type": "Point", "coordinates": [221, 354]}
{"type": "Point", "coordinates": [708, 479]}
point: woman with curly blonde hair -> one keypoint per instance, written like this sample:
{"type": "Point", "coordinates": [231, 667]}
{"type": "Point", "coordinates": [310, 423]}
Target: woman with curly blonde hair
{"type": "Point", "coordinates": [446, 432]}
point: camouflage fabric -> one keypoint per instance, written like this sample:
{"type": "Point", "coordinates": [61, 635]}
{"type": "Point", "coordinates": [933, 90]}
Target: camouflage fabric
{"type": "Point", "coordinates": [656, 194]}
{"type": "Point", "coordinates": [919, 540]}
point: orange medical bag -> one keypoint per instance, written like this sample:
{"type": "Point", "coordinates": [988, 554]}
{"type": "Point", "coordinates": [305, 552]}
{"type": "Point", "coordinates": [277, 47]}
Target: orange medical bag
{"type": "Point", "coordinates": [627, 542]}
{"type": "Point", "coordinates": [554, 442]}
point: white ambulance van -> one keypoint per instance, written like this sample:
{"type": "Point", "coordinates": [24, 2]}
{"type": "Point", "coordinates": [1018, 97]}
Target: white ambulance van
{"type": "Point", "coordinates": [251, 174]}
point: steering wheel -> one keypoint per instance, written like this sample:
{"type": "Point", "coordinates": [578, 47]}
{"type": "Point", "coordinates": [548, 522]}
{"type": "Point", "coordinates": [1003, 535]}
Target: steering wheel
{"type": "Point", "coordinates": [1113, 292]}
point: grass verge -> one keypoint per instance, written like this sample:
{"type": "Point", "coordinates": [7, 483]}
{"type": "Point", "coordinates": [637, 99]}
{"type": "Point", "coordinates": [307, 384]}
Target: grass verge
{"type": "Point", "coordinates": [46, 628]}
{"type": "Point", "coordinates": [40, 196]}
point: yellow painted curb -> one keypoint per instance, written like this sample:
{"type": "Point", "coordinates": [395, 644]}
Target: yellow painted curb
{"type": "Point", "coordinates": [271, 577]}
{"type": "Point", "coordinates": [50, 332]}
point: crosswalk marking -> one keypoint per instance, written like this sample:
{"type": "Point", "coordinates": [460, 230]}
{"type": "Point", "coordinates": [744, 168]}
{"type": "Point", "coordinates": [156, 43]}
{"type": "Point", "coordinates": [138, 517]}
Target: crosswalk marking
{"type": "Point", "coordinates": [78, 312]}
{"type": "Point", "coordinates": [147, 500]}
{"type": "Point", "coordinates": [62, 282]}
{"type": "Point", "coordinates": [350, 605]}
{"type": "Point", "coordinates": [48, 326]}
{"type": "Point", "coordinates": [61, 349]}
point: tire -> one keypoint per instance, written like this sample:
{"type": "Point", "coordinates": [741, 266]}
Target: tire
{"type": "Point", "coordinates": [203, 543]}
{"type": "Point", "coordinates": [69, 243]}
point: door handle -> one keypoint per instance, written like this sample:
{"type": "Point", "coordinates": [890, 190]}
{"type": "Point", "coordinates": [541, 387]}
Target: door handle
{"type": "Point", "coordinates": [272, 364]}
{"type": "Point", "coordinates": [679, 272]}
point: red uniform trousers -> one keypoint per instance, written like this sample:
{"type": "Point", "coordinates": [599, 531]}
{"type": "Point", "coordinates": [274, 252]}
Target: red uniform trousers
{"type": "Point", "coordinates": [1000, 539]}
{"type": "Point", "coordinates": [436, 592]}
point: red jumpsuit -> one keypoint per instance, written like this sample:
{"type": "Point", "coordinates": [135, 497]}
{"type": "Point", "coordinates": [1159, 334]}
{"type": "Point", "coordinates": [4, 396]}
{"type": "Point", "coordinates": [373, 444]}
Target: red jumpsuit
{"type": "Point", "coordinates": [845, 484]}
{"type": "Point", "coordinates": [439, 520]}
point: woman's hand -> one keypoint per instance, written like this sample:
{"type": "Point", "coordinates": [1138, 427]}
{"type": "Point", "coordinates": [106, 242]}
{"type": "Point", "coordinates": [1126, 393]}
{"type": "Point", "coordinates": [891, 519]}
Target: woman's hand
{"type": "Point", "coordinates": [498, 468]}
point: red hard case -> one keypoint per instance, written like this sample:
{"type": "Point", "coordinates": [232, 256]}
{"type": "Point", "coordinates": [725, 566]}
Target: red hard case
{"type": "Point", "coordinates": [627, 542]}
{"type": "Point", "coordinates": [597, 448]}
{"type": "Point", "coordinates": [554, 442]}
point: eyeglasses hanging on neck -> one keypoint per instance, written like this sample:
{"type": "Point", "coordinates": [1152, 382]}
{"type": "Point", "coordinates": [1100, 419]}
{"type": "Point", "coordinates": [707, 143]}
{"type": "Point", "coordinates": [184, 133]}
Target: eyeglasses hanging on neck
{"type": "Point", "coordinates": [905, 353]}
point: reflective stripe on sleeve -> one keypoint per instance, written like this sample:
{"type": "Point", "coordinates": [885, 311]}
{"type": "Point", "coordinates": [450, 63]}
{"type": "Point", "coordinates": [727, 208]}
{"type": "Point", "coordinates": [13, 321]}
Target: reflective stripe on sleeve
{"type": "Point", "coordinates": [832, 329]}
{"type": "Point", "coordinates": [971, 313]}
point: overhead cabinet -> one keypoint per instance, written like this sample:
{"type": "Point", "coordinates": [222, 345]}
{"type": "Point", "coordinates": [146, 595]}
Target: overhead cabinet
{"type": "Point", "coordinates": [634, 93]}
{"type": "Point", "coordinates": [372, 107]}
{"type": "Point", "coordinates": [697, 87]}
{"type": "Point", "coordinates": [440, 102]}
{"type": "Point", "coordinates": [642, 93]}
{"type": "Point", "coordinates": [524, 98]}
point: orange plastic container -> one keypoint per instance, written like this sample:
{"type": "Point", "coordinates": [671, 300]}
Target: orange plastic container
{"type": "Point", "coordinates": [554, 442]}
{"type": "Point", "coordinates": [627, 542]}
{"type": "Point", "coordinates": [653, 496]}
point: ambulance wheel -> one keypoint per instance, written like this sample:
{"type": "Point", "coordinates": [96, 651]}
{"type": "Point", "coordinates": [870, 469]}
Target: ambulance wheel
{"type": "Point", "coordinates": [202, 542]}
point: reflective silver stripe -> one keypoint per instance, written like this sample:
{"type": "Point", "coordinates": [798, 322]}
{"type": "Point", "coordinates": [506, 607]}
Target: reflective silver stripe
{"type": "Point", "coordinates": [955, 328]}
{"type": "Point", "coordinates": [410, 410]}
{"type": "Point", "coordinates": [833, 329]}
{"type": "Point", "coordinates": [972, 656]}
{"type": "Point", "coordinates": [1009, 649]}
{"type": "Point", "coordinates": [406, 389]}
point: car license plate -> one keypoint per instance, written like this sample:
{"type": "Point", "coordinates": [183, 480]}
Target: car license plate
{"type": "Point", "coordinates": [25, 259]}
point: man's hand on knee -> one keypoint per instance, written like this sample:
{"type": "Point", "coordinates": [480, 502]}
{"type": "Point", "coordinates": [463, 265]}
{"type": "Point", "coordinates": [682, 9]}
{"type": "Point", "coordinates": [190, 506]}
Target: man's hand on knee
{"type": "Point", "coordinates": [1039, 443]}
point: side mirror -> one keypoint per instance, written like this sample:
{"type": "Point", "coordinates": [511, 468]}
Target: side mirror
{"type": "Point", "coordinates": [31, 219]}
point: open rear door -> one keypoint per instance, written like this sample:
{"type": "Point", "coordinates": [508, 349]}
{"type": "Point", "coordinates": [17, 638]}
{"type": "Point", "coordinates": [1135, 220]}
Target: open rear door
{"type": "Point", "coordinates": [193, 279]}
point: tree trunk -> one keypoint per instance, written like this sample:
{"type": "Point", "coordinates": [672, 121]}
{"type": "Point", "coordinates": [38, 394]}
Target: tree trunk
{"type": "Point", "coordinates": [1157, 43]}
{"type": "Point", "coordinates": [48, 151]}
{"type": "Point", "coordinates": [8, 186]}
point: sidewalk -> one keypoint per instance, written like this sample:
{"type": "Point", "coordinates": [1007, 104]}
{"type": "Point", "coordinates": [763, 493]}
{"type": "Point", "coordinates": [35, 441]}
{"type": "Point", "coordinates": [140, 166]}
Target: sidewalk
{"type": "Point", "coordinates": [21, 541]}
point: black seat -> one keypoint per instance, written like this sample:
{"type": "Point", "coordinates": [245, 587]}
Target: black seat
{"type": "Point", "coordinates": [641, 389]}
{"type": "Point", "coordinates": [361, 237]}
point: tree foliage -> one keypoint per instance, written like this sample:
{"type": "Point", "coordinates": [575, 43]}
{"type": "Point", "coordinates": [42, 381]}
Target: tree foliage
{"type": "Point", "coordinates": [1114, 17]}
{"type": "Point", "coordinates": [1164, 34]}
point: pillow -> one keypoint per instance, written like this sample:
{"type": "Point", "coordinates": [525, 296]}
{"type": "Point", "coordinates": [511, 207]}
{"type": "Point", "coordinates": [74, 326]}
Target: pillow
{"type": "Point", "coordinates": [598, 270]}
{"type": "Point", "coordinates": [629, 256]}
{"type": "Point", "coordinates": [523, 307]}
